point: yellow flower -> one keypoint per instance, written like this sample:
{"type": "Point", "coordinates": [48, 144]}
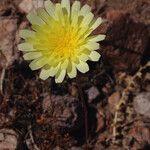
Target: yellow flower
{"type": "Point", "coordinates": [60, 42]}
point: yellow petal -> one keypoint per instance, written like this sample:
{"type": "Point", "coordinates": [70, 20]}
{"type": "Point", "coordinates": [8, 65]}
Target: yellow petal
{"type": "Point", "coordinates": [45, 73]}
{"type": "Point", "coordinates": [93, 25]}
{"type": "Point", "coordinates": [25, 47]}
{"type": "Point", "coordinates": [96, 23]}
{"type": "Point", "coordinates": [37, 63]}
{"type": "Point", "coordinates": [85, 10]}
{"type": "Point", "coordinates": [75, 12]}
{"type": "Point", "coordinates": [82, 31]}
{"type": "Point", "coordinates": [72, 71]}
{"type": "Point", "coordinates": [69, 67]}
{"type": "Point", "coordinates": [50, 8]}
{"type": "Point", "coordinates": [32, 55]}
{"type": "Point", "coordinates": [25, 33]}
{"type": "Point", "coordinates": [87, 19]}
{"type": "Point", "coordinates": [64, 65]}
{"type": "Point", "coordinates": [60, 76]}
{"type": "Point", "coordinates": [83, 57]}
{"type": "Point", "coordinates": [97, 38]}
{"type": "Point", "coordinates": [86, 51]}
{"type": "Point", "coordinates": [34, 19]}
{"type": "Point", "coordinates": [75, 9]}
{"type": "Point", "coordinates": [75, 60]}
{"type": "Point", "coordinates": [44, 15]}
{"type": "Point", "coordinates": [59, 13]}
{"type": "Point", "coordinates": [92, 46]}
{"type": "Point", "coordinates": [83, 67]}
{"type": "Point", "coordinates": [55, 69]}
{"type": "Point", "coordinates": [66, 4]}
{"type": "Point", "coordinates": [94, 56]}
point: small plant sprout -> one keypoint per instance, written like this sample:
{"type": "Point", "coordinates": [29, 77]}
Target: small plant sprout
{"type": "Point", "coordinates": [60, 41]}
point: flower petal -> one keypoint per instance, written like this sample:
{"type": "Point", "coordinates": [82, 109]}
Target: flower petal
{"type": "Point", "coordinates": [60, 76]}
{"type": "Point", "coordinates": [83, 67]}
{"type": "Point", "coordinates": [25, 47]}
{"type": "Point", "coordinates": [64, 65]}
{"type": "Point", "coordinates": [93, 25]}
{"type": "Point", "coordinates": [25, 33]}
{"type": "Point", "coordinates": [87, 19]}
{"type": "Point", "coordinates": [85, 10]}
{"type": "Point", "coordinates": [59, 13]}
{"type": "Point", "coordinates": [94, 56]}
{"type": "Point", "coordinates": [50, 8]}
{"type": "Point", "coordinates": [75, 12]}
{"type": "Point", "coordinates": [75, 60]}
{"type": "Point", "coordinates": [66, 4]}
{"type": "Point", "coordinates": [86, 51]}
{"type": "Point", "coordinates": [45, 73]}
{"type": "Point", "coordinates": [96, 23]}
{"type": "Point", "coordinates": [72, 71]}
{"type": "Point", "coordinates": [32, 55]}
{"type": "Point", "coordinates": [83, 57]}
{"type": "Point", "coordinates": [97, 38]}
{"type": "Point", "coordinates": [37, 63]}
{"type": "Point", "coordinates": [92, 46]}
{"type": "Point", "coordinates": [34, 19]}
{"type": "Point", "coordinates": [44, 15]}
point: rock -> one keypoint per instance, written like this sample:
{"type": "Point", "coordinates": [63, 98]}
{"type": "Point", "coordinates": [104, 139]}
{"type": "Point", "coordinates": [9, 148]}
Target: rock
{"type": "Point", "coordinates": [4, 7]}
{"type": "Point", "coordinates": [146, 82]}
{"type": "Point", "coordinates": [147, 76]}
{"type": "Point", "coordinates": [125, 38]}
{"type": "Point", "coordinates": [8, 29]}
{"type": "Point", "coordinates": [113, 100]}
{"type": "Point", "coordinates": [3, 60]}
{"type": "Point", "coordinates": [115, 148]}
{"type": "Point", "coordinates": [26, 6]}
{"type": "Point", "coordinates": [73, 90]}
{"type": "Point", "coordinates": [99, 146]}
{"type": "Point", "coordinates": [29, 5]}
{"type": "Point", "coordinates": [58, 148]}
{"type": "Point", "coordinates": [72, 148]}
{"type": "Point", "coordinates": [76, 148]}
{"type": "Point", "coordinates": [100, 121]}
{"type": "Point", "coordinates": [30, 140]}
{"type": "Point", "coordinates": [8, 139]}
{"type": "Point", "coordinates": [140, 132]}
{"type": "Point", "coordinates": [142, 104]}
{"type": "Point", "coordinates": [38, 3]}
{"type": "Point", "coordinates": [47, 103]}
{"type": "Point", "coordinates": [92, 93]}
{"type": "Point", "coordinates": [66, 109]}
{"type": "Point", "coordinates": [136, 37]}
{"type": "Point", "coordinates": [7, 119]}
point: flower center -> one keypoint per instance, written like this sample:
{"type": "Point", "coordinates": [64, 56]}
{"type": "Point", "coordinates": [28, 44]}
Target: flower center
{"type": "Point", "coordinates": [63, 41]}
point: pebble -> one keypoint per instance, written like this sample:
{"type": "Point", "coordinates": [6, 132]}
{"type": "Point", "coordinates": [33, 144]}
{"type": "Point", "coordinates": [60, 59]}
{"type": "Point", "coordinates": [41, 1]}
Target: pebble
{"type": "Point", "coordinates": [8, 139]}
{"type": "Point", "coordinates": [92, 93]}
{"type": "Point", "coordinates": [113, 100]}
{"type": "Point", "coordinates": [142, 104]}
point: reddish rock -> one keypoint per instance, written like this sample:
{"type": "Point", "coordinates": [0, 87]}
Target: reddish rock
{"type": "Point", "coordinates": [113, 100]}
{"type": "Point", "coordinates": [100, 121]}
{"type": "Point", "coordinates": [8, 29]}
{"type": "Point", "coordinates": [8, 139]}
{"type": "Point", "coordinates": [140, 133]}
{"type": "Point", "coordinates": [66, 111]}
{"type": "Point", "coordinates": [126, 40]}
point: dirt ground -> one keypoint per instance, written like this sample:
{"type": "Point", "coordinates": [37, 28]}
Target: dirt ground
{"type": "Point", "coordinates": [110, 111]}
